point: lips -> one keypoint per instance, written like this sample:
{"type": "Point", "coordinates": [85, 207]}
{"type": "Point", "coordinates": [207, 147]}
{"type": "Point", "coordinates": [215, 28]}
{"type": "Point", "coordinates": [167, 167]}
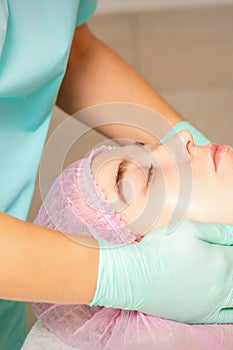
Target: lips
{"type": "Point", "coordinates": [221, 150]}
{"type": "Point", "coordinates": [217, 152]}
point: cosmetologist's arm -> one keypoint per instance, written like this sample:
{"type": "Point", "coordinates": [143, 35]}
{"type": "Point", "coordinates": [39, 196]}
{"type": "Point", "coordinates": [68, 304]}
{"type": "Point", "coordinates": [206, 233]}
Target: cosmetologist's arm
{"type": "Point", "coordinates": [38, 264]}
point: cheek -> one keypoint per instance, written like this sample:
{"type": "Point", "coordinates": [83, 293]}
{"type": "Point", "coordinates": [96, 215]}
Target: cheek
{"type": "Point", "coordinates": [207, 187]}
{"type": "Point", "coordinates": [172, 188]}
{"type": "Point", "coordinates": [134, 189]}
{"type": "Point", "coordinates": [135, 192]}
{"type": "Point", "coordinates": [132, 213]}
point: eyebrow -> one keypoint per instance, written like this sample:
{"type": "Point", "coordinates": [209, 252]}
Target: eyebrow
{"type": "Point", "coordinates": [121, 170]}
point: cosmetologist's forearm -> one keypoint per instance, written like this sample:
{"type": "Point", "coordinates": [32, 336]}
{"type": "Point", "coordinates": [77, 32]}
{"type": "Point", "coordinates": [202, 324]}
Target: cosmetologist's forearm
{"type": "Point", "coordinates": [38, 264]}
{"type": "Point", "coordinates": [96, 75]}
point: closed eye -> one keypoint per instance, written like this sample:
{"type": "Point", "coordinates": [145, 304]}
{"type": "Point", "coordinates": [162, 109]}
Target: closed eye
{"type": "Point", "coordinates": [121, 170]}
{"type": "Point", "coordinates": [151, 168]}
{"type": "Point", "coordinates": [150, 173]}
{"type": "Point", "coordinates": [138, 143]}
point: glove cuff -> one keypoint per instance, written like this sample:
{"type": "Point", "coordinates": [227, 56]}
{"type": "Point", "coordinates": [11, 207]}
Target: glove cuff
{"type": "Point", "coordinates": [198, 137]}
{"type": "Point", "coordinates": [112, 283]}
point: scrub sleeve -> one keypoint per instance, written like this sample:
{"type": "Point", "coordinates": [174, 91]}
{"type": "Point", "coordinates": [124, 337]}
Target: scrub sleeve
{"type": "Point", "coordinates": [35, 39]}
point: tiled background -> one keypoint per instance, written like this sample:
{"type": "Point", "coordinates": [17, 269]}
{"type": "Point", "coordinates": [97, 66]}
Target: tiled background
{"type": "Point", "coordinates": [186, 53]}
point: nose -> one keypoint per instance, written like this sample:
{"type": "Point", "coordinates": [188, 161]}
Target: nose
{"type": "Point", "coordinates": [184, 137]}
{"type": "Point", "coordinates": [179, 147]}
{"type": "Point", "coordinates": [187, 140]}
{"type": "Point", "coordinates": [181, 143]}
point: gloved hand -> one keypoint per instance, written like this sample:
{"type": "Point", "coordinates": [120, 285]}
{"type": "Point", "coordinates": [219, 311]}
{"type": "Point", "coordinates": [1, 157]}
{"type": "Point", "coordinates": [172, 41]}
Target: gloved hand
{"type": "Point", "coordinates": [186, 275]}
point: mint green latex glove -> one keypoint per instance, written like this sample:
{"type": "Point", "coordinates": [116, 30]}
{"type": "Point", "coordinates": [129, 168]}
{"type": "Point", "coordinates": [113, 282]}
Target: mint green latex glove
{"type": "Point", "coordinates": [185, 276]}
{"type": "Point", "coordinates": [198, 138]}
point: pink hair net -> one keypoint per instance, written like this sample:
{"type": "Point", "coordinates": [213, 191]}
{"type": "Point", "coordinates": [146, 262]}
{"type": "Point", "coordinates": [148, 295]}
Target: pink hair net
{"type": "Point", "coordinates": [75, 204]}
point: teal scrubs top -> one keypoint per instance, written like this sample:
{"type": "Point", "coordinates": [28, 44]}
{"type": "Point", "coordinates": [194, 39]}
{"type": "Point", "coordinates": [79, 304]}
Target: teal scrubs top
{"type": "Point", "coordinates": [35, 39]}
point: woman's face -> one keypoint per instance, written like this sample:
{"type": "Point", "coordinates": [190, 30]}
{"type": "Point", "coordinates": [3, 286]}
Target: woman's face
{"type": "Point", "coordinates": [152, 185]}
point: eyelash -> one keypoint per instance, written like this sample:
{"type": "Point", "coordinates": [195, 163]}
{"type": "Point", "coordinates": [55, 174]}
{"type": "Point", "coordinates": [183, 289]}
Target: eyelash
{"type": "Point", "coordinates": [150, 173]}
{"type": "Point", "coordinates": [120, 171]}
{"type": "Point", "coordinates": [140, 143]}
{"type": "Point", "coordinates": [151, 169]}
